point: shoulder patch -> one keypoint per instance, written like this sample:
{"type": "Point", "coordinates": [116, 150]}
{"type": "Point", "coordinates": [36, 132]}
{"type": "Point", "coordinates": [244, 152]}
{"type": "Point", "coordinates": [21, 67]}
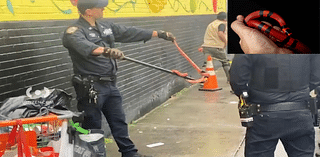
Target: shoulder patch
{"type": "Point", "coordinates": [71, 30]}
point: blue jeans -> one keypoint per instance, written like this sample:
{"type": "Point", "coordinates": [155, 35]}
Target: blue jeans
{"type": "Point", "coordinates": [110, 104]}
{"type": "Point", "coordinates": [294, 128]}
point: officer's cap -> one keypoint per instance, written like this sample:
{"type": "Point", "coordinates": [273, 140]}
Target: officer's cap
{"type": "Point", "coordinates": [88, 4]}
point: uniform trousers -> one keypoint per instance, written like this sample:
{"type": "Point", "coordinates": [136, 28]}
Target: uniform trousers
{"type": "Point", "coordinates": [110, 104]}
{"type": "Point", "coordinates": [294, 128]}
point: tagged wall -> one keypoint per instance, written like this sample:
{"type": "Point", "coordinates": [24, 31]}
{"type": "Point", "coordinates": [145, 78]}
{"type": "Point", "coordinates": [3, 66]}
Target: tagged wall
{"type": "Point", "coordinates": [21, 10]}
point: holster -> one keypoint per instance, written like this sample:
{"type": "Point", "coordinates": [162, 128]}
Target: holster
{"type": "Point", "coordinates": [249, 110]}
{"type": "Point", "coordinates": [82, 85]}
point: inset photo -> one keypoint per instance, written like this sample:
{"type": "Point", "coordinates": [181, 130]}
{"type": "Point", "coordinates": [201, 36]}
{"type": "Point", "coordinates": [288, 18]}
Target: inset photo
{"type": "Point", "coordinates": [273, 27]}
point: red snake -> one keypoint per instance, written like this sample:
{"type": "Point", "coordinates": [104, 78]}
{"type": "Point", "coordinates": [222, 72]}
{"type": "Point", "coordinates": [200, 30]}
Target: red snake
{"type": "Point", "coordinates": [281, 39]}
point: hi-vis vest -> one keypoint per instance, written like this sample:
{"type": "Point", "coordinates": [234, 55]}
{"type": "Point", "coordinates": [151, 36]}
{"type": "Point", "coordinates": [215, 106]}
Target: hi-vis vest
{"type": "Point", "coordinates": [211, 37]}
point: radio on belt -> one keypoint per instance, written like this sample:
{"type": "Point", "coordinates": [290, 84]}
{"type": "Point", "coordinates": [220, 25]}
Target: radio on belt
{"type": "Point", "coordinates": [247, 110]}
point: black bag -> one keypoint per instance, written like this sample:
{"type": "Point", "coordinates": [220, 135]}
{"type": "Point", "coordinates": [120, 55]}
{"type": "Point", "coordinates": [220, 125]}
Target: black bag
{"type": "Point", "coordinates": [90, 145]}
{"type": "Point", "coordinates": [24, 106]}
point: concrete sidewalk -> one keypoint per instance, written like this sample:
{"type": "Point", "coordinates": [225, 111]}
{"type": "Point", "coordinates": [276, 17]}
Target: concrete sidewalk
{"type": "Point", "coordinates": [192, 124]}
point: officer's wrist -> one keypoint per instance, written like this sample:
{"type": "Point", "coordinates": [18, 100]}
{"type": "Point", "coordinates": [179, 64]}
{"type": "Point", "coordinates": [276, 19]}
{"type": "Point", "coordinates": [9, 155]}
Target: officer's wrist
{"type": "Point", "coordinates": [98, 51]}
{"type": "Point", "coordinates": [155, 34]}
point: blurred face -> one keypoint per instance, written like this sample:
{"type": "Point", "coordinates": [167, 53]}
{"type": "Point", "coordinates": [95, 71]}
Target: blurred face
{"type": "Point", "coordinates": [95, 13]}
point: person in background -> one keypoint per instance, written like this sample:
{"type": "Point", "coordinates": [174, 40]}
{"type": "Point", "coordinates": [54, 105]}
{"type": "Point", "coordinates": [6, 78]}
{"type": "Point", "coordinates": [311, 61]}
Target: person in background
{"type": "Point", "coordinates": [215, 42]}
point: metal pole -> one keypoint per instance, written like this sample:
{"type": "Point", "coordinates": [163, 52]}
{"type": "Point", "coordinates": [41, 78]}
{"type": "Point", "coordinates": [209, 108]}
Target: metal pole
{"type": "Point", "coordinates": [155, 67]}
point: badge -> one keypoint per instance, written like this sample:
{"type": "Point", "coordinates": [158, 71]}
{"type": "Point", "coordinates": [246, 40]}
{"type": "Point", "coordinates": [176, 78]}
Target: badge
{"type": "Point", "coordinates": [107, 31]}
{"type": "Point", "coordinates": [71, 30]}
{"type": "Point", "coordinates": [92, 35]}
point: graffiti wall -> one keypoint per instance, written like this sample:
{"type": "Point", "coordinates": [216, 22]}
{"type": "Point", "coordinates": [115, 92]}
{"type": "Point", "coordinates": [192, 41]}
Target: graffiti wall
{"type": "Point", "coordinates": [22, 10]}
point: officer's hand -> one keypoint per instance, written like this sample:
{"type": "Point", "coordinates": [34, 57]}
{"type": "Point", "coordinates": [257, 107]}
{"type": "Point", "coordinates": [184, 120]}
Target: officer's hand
{"type": "Point", "coordinates": [113, 53]}
{"type": "Point", "coordinates": [253, 41]}
{"type": "Point", "coordinates": [166, 36]}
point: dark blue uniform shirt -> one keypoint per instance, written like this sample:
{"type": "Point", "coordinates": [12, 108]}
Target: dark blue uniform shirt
{"type": "Point", "coordinates": [275, 78]}
{"type": "Point", "coordinates": [81, 39]}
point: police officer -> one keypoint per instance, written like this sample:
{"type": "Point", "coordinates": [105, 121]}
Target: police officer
{"type": "Point", "coordinates": [91, 47]}
{"type": "Point", "coordinates": [281, 85]}
{"type": "Point", "coordinates": [215, 41]}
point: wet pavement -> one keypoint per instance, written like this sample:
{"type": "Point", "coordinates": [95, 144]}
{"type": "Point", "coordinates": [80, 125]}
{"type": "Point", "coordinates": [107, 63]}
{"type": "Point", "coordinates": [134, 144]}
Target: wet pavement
{"type": "Point", "coordinates": [192, 124]}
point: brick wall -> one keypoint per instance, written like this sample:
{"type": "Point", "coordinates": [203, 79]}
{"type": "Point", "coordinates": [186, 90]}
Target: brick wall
{"type": "Point", "coordinates": [31, 54]}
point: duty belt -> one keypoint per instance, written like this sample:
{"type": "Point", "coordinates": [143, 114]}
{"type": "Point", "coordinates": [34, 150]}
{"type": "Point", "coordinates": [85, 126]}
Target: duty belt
{"type": "Point", "coordinates": [100, 78]}
{"type": "Point", "coordinates": [285, 106]}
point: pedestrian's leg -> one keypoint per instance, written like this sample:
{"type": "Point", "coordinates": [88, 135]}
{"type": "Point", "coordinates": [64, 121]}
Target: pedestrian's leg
{"type": "Point", "coordinates": [206, 52]}
{"type": "Point", "coordinates": [226, 68]}
{"type": "Point", "coordinates": [221, 55]}
{"type": "Point", "coordinates": [205, 60]}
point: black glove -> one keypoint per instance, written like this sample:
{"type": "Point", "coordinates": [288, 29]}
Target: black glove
{"type": "Point", "coordinates": [113, 53]}
{"type": "Point", "coordinates": [166, 35]}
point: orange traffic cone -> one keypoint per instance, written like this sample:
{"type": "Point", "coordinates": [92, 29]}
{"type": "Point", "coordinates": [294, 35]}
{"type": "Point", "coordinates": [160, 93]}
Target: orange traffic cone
{"type": "Point", "coordinates": [211, 84]}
